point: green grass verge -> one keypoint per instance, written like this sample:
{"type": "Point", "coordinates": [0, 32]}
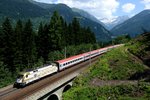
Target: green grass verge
{"type": "Point", "coordinates": [118, 64]}
{"type": "Point", "coordinates": [120, 92]}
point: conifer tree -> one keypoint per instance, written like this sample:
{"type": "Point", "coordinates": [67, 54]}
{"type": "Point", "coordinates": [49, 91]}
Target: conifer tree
{"type": "Point", "coordinates": [18, 45]}
{"type": "Point", "coordinates": [43, 42]}
{"type": "Point", "coordinates": [70, 35]}
{"type": "Point", "coordinates": [55, 31]}
{"type": "Point", "coordinates": [8, 44]}
{"type": "Point", "coordinates": [91, 36]}
{"type": "Point", "coordinates": [29, 47]}
{"type": "Point", "coordinates": [63, 31]}
{"type": "Point", "coordinates": [76, 31]}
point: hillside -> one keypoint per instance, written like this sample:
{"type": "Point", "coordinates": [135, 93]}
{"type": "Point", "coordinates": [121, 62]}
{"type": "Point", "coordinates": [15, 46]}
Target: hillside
{"type": "Point", "coordinates": [20, 9]}
{"type": "Point", "coordinates": [114, 22]}
{"type": "Point", "coordinates": [68, 14]}
{"type": "Point", "coordinates": [134, 26]}
{"type": "Point", "coordinates": [87, 15]}
{"type": "Point", "coordinates": [118, 75]}
{"type": "Point", "coordinates": [25, 9]}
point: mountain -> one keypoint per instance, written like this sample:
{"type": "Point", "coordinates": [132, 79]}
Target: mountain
{"type": "Point", "coordinates": [87, 15]}
{"type": "Point", "coordinates": [135, 25]}
{"type": "Point", "coordinates": [110, 23]}
{"type": "Point", "coordinates": [24, 9]}
{"type": "Point", "coordinates": [101, 33]}
{"type": "Point", "coordinates": [20, 9]}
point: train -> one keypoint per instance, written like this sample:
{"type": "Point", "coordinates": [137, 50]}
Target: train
{"type": "Point", "coordinates": [25, 78]}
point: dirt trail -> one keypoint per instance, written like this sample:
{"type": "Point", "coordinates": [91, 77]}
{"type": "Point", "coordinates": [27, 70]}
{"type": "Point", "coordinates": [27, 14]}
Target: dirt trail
{"type": "Point", "coordinates": [98, 82]}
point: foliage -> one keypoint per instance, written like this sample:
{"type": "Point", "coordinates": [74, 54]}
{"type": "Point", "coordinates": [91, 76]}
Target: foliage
{"type": "Point", "coordinates": [119, 92]}
{"type": "Point", "coordinates": [117, 64]}
{"type": "Point", "coordinates": [57, 34]}
{"type": "Point", "coordinates": [71, 50]}
{"type": "Point", "coordinates": [121, 39]}
{"type": "Point", "coordinates": [6, 76]}
{"type": "Point", "coordinates": [23, 48]}
{"type": "Point", "coordinates": [141, 47]}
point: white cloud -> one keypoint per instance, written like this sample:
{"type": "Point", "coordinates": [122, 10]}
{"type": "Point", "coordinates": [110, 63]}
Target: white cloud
{"type": "Point", "coordinates": [98, 8]}
{"type": "Point", "coordinates": [146, 3]}
{"type": "Point", "coordinates": [128, 7]}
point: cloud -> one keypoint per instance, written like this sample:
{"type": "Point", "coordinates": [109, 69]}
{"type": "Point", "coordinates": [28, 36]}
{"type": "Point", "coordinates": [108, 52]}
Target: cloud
{"type": "Point", "coordinates": [128, 7]}
{"type": "Point", "coordinates": [98, 8]}
{"type": "Point", "coordinates": [146, 3]}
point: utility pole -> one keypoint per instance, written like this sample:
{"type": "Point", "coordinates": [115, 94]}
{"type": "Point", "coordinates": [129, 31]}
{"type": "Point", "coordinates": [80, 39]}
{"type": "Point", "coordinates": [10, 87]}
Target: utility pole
{"type": "Point", "coordinates": [65, 53]}
{"type": "Point", "coordinates": [112, 40]}
{"type": "Point", "coordinates": [90, 56]}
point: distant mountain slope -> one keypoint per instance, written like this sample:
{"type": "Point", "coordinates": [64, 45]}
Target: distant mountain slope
{"type": "Point", "coordinates": [87, 15]}
{"type": "Point", "coordinates": [24, 9]}
{"type": "Point", "coordinates": [102, 34]}
{"type": "Point", "coordinates": [135, 25]}
{"type": "Point", "coordinates": [20, 9]}
{"type": "Point", "coordinates": [114, 22]}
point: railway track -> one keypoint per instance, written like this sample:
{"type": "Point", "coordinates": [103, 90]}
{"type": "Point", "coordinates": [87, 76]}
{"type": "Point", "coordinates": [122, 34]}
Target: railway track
{"type": "Point", "coordinates": [7, 91]}
{"type": "Point", "coordinates": [19, 94]}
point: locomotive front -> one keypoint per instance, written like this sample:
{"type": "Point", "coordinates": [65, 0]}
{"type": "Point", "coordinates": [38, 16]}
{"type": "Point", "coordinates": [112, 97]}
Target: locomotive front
{"type": "Point", "coordinates": [20, 80]}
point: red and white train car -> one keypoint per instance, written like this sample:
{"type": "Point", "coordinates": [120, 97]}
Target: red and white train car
{"type": "Point", "coordinates": [68, 62]}
{"type": "Point", "coordinates": [30, 76]}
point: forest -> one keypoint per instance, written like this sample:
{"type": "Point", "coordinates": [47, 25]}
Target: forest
{"type": "Point", "coordinates": [22, 47]}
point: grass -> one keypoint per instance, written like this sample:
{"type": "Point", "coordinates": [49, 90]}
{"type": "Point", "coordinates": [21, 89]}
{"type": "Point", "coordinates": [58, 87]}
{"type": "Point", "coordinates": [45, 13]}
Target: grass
{"type": "Point", "coordinates": [118, 64]}
{"type": "Point", "coordinates": [121, 92]}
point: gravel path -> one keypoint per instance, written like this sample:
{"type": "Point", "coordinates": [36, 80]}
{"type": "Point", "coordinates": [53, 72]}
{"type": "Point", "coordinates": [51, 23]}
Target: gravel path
{"type": "Point", "coordinates": [98, 82]}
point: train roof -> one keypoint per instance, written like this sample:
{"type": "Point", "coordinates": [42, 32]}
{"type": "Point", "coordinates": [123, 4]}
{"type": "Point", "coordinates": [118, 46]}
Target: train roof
{"type": "Point", "coordinates": [70, 58]}
{"type": "Point", "coordinates": [77, 56]}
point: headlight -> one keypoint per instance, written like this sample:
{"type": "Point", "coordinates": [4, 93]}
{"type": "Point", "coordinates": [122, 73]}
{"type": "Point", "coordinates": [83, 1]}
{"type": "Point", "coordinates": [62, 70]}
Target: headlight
{"type": "Point", "coordinates": [19, 80]}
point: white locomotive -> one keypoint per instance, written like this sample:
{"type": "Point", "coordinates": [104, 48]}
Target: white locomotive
{"type": "Point", "coordinates": [25, 78]}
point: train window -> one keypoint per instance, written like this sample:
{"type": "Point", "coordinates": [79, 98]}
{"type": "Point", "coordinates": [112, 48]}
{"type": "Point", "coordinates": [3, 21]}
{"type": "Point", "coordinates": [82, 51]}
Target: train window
{"type": "Point", "coordinates": [20, 76]}
{"type": "Point", "coordinates": [26, 76]}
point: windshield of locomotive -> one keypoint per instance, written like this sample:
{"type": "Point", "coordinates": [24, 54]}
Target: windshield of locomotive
{"type": "Point", "coordinates": [20, 76]}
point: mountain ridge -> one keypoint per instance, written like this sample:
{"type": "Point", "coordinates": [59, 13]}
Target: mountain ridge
{"type": "Point", "coordinates": [39, 12]}
{"type": "Point", "coordinates": [134, 26]}
{"type": "Point", "coordinates": [114, 22]}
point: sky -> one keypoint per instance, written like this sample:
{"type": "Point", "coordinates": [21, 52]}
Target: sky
{"type": "Point", "coordinates": [106, 8]}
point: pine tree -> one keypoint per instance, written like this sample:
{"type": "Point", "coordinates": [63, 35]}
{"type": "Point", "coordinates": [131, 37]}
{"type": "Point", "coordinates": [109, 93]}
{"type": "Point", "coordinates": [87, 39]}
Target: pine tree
{"type": "Point", "coordinates": [90, 35]}
{"type": "Point", "coordinates": [63, 32]}
{"type": "Point", "coordinates": [43, 41]}
{"type": "Point", "coordinates": [76, 31]}
{"type": "Point", "coordinates": [29, 47]}
{"type": "Point", "coordinates": [8, 44]}
{"type": "Point", "coordinates": [39, 40]}
{"type": "Point", "coordinates": [55, 31]}
{"type": "Point", "coordinates": [1, 44]}
{"type": "Point", "coordinates": [18, 46]}
{"type": "Point", "coordinates": [69, 35]}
